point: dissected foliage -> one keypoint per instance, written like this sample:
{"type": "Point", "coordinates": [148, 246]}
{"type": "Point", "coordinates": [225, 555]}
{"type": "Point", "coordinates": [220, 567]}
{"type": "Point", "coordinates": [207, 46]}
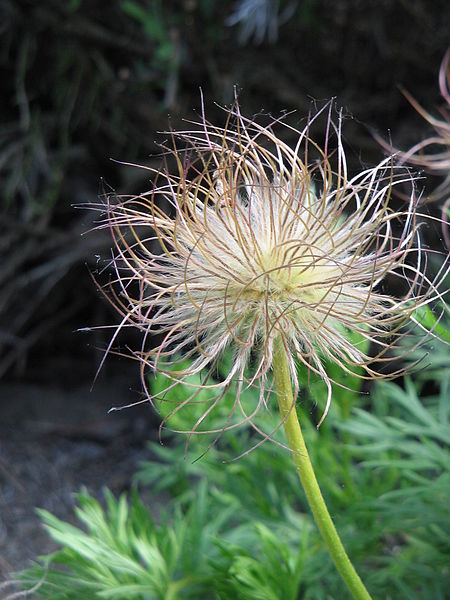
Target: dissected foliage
{"type": "Point", "coordinates": [226, 528]}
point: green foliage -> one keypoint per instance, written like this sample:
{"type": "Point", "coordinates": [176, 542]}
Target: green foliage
{"type": "Point", "coordinates": [240, 529]}
{"type": "Point", "coordinates": [347, 384]}
{"type": "Point", "coordinates": [176, 405]}
{"type": "Point", "coordinates": [434, 363]}
{"type": "Point", "coordinates": [123, 554]}
{"type": "Point", "coordinates": [168, 398]}
{"type": "Point", "coordinates": [154, 26]}
{"type": "Point", "coordinates": [276, 571]}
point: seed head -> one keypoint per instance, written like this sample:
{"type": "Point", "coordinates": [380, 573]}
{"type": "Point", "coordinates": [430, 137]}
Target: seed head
{"type": "Point", "coordinates": [252, 239]}
{"type": "Point", "coordinates": [433, 153]}
{"type": "Point", "coordinates": [436, 161]}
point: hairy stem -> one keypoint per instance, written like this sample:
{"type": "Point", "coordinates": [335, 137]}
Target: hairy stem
{"type": "Point", "coordinates": [305, 470]}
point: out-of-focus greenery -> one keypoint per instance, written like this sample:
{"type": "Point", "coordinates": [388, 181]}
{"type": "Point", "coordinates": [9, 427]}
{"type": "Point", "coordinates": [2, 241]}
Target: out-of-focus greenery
{"type": "Point", "coordinates": [230, 528]}
{"type": "Point", "coordinates": [82, 83]}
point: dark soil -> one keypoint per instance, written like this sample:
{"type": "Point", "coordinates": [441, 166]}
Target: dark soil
{"type": "Point", "coordinates": [56, 438]}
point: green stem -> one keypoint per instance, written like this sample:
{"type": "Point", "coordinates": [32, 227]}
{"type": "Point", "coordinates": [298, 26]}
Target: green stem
{"type": "Point", "coordinates": [305, 470]}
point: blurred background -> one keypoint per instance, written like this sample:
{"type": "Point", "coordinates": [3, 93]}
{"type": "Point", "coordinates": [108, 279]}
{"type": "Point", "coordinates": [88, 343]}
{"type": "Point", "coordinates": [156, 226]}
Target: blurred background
{"type": "Point", "coordinates": [86, 83]}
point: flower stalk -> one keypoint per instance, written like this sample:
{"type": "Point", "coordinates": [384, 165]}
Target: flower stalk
{"type": "Point", "coordinates": [307, 476]}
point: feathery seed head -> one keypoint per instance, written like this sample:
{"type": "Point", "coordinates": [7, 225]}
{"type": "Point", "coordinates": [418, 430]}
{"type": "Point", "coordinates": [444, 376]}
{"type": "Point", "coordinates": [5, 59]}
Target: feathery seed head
{"type": "Point", "coordinates": [433, 153]}
{"type": "Point", "coordinates": [436, 161]}
{"type": "Point", "coordinates": [263, 240]}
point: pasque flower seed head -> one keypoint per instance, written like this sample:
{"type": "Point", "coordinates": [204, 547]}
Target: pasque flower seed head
{"type": "Point", "coordinates": [252, 239]}
{"type": "Point", "coordinates": [433, 152]}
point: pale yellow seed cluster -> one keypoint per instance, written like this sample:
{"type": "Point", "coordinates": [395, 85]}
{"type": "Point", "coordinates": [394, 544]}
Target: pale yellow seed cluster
{"type": "Point", "coordinates": [262, 240]}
